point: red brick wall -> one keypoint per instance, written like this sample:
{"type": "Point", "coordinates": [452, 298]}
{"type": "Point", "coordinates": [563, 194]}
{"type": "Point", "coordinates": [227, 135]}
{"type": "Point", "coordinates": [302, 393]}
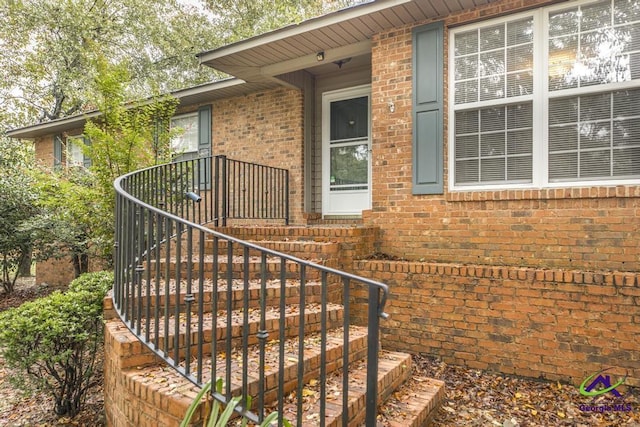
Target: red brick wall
{"type": "Point", "coordinates": [592, 228]}
{"type": "Point", "coordinates": [128, 401]}
{"type": "Point", "coordinates": [44, 150]}
{"type": "Point", "coordinates": [265, 128]}
{"type": "Point", "coordinates": [554, 324]}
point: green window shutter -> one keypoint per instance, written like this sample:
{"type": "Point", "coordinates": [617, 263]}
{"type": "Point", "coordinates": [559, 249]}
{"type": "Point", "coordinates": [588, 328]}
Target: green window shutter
{"type": "Point", "coordinates": [428, 82]}
{"type": "Point", "coordinates": [57, 151]}
{"type": "Point", "coordinates": [86, 160]}
{"type": "Point", "coordinates": [204, 131]}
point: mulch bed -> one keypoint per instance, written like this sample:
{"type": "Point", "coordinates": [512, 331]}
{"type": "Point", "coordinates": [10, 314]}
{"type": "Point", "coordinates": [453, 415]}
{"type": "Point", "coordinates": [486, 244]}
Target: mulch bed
{"type": "Point", "coordinates": [478, 398]}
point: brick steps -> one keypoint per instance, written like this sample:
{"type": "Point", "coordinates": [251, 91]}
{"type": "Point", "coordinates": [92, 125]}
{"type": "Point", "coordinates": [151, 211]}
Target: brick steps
{"type": "Point", "coordinates": [317, 233]}
{"type": "Point", "coordinates": [409, 401]}
{"type": "Point", "coordinates": [254, 268]}
{"type": "Point", "coordinates": [414, 404]}
{"type": "Point", "coordinates": [394, 369]}
{"type": "Point", "coordinates": [165, 293]}
{"type": "Point", "coordinates": [189, 327]}
{"type": "Point", "coordinates": [320, 250]}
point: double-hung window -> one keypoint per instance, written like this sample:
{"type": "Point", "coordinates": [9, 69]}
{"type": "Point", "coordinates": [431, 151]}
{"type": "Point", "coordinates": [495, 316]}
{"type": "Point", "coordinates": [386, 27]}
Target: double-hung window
{"type": "Point", "coordinates": [185, 144]}
{"type": "Point", "coordinates": [547, 98]}
{"type": "Point", "coordinates": [75, 152]}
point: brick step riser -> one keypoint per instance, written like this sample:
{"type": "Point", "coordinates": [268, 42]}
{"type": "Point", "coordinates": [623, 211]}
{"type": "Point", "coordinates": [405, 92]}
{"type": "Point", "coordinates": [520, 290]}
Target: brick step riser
{"type": "Point", "coordinates": [304, 250]}
{"type": "Point", "coordinates": [335, 319]}
{"type": "Point", "coordinates": [272, 299]}
{"type": "Point", "coordinates": [309, 233]}
{"type": "Point", "coordinates": [238, 272]}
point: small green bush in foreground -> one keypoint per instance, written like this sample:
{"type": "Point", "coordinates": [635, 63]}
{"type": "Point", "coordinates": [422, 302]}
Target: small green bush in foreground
{"type": "Point", "coordinates": [54, 340]}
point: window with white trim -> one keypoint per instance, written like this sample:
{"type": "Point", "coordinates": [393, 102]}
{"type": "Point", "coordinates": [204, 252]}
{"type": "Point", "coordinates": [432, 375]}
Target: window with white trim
{"type": "Point", "coordinates": [187, 140]}
{"type": "Point", "coordinates": [74, 154]}
{"type": "Point", "coordinates": [547, 98]}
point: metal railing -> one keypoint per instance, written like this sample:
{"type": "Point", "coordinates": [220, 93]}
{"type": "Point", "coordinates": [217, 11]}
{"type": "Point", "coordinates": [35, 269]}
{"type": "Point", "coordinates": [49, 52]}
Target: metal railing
{"type": "Point", "coordinates": [213, 189]}
{"type": "Point", "coordinates": [213, 306]}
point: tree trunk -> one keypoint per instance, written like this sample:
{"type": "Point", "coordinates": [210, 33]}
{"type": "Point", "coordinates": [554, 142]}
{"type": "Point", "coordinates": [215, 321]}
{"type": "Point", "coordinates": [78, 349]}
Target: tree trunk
{"type": "Point", "coordinates": [25, 265]}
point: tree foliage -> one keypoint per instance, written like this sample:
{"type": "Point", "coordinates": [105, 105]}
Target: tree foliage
{"type": "Point", "coordinates": [18, 203]}
{"type": "Point", "coordinates": [241, 19]}
{"type": "Point", "coordinates": [54, 341]}
{"type": "Point", "coordinates": [64, 223]}
{"type": "Point", "coordinates": [123, 139]}
{"type": "Point", "coordinates": [48, 48]}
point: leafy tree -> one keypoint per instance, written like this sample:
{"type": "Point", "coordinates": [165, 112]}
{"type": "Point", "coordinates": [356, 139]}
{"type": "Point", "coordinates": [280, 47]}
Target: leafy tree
{"type": "Point", "coordinates": [123, 139]}
{"type": "Point", "coordinates": [241, 19]}
{"type": "Point", "coordinates": [17, 205]}
{"type": "Point", "coordinates": [76, 214]}
{"type": "Point", "coordinates": [64, 223]}
{"type": "Point", "coordinates": [48, 48]}
{"type": "Point", "coordinates": [54, 341]}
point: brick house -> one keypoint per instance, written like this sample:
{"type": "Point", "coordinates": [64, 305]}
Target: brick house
{"type": "Point", "coordinates": [493, 143]}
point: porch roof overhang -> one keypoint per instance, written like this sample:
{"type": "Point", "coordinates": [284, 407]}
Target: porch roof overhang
{"type": "Point", "coordinates": [342, 34]}
{"type": "Point", "coordinates": [190, 96]}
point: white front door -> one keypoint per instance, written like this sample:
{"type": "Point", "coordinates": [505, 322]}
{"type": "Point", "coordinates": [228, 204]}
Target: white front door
{"type": "Point", "coordinates": [346, 149]}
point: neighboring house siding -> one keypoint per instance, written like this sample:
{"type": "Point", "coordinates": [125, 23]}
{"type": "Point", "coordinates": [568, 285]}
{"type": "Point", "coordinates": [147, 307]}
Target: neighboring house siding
{"type": "Point", "coordinates": [265, 128]}
{"type": "Point", "coordinates": [585, 228]}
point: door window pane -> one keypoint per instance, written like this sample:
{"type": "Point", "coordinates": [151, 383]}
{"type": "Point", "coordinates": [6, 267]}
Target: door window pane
{"type": "Point", "coordinates": [349, 119]}
{"type": "Point", "coordinates": [349, 167]}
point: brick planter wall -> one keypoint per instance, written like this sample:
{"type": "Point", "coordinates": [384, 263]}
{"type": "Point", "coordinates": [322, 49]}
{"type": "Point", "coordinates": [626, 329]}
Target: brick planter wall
{"type": "Point", "coordinates": [554, 324]}
{"type": "Point", "coordinates": [135, 403]}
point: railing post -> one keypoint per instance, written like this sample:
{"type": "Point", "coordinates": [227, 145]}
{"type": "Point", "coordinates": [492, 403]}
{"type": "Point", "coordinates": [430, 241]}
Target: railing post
{"type": "Point", "coordinates": [224, 190]}
{"type": "Point", "coordinates": [286, 196]}
{"type": "Point", "coordinates": [373, 338]}
{"type": "Point", "coordinates": [216, 192]}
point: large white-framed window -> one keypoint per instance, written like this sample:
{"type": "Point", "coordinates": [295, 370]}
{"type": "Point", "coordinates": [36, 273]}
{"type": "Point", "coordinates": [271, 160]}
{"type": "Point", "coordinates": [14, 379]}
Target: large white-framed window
{"type": "Point", "coordinates": [187, 139]}
{"type": "Point", "coordinates": [546, 98]}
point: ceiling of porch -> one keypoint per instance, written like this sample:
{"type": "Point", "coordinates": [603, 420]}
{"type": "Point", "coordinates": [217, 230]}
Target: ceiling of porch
{"type": "Point", "coordinates": [343, 34]}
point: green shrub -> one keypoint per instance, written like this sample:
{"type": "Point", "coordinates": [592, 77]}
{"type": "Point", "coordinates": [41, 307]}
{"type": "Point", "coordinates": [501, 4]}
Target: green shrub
{"type": "Point", "coordinates": [54, 340]}
{"type": "Point", "coordinates": [98, 283]}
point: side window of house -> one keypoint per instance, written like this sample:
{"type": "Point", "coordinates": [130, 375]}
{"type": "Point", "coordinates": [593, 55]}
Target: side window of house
{"type": "Point", "coordinates": [74, 154]}
{"type": "Point", "coordinates": [70, 152]}
{"type": "Point", "coordinates": [185, 145]}
{"type": "Point", "coordinates": [547, 98]}
{"type": "Point", "coordinates": [194, 141]}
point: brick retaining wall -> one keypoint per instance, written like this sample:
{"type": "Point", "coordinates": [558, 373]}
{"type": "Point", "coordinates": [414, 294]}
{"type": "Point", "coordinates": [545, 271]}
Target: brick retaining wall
{"type": "Point", "coordinates": [553, 324]}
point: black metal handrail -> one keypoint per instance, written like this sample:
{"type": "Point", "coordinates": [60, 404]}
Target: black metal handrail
{"type": "Point", "coordinates": [174, 276]}
{"type": "Point", "coordinates": [221, 188]}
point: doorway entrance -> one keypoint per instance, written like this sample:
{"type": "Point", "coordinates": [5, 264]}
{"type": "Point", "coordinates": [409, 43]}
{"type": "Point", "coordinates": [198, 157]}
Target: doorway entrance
{"type": "Point", "coordinates": [346, 151]}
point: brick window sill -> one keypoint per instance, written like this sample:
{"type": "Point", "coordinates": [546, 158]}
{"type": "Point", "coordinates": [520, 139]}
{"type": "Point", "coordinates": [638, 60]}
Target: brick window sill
{"type": "Point", "coordinates": [618, 191]}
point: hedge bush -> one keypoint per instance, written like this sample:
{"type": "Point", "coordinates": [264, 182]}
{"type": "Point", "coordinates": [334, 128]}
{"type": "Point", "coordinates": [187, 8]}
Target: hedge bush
{"type": "Point", "coordinates": [54, 340]}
